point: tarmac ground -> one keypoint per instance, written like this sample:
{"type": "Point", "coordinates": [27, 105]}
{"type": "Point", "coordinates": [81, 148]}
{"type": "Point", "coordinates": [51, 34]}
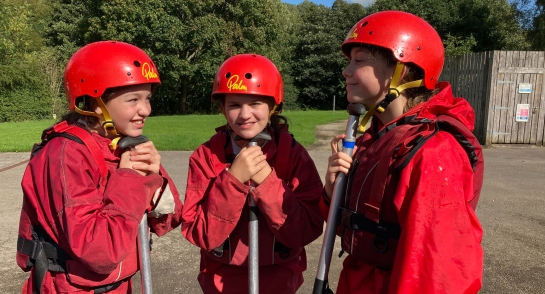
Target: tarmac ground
{"type": "Point", "coordinates": [511, 210]}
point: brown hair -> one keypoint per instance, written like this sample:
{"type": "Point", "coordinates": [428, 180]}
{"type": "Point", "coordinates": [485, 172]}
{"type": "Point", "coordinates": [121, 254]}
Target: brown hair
{"type": "Point", "coordinates": [85, 103]}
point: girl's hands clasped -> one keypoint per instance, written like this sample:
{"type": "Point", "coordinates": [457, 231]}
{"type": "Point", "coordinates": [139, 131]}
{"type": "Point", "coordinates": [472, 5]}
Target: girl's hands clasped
{"type": "Point", "coordinates": [250, 164]}
{"type": "Point", "coordinates": [144, 158]}
{"type": "Point", "coordinates": [338, 162]}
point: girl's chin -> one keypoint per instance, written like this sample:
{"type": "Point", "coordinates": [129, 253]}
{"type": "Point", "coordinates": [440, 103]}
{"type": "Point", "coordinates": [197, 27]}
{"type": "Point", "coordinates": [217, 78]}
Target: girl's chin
{"type": "Point", "coordinates": [357, 99]}
{"type": "Point", "coordinates": [130, 133]}
{"type": "Point", "coordinates": [246, 134]}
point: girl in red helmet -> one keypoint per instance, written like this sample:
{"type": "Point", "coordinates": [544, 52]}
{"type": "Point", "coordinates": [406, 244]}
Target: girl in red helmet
{"type": "Point", "coordinates": [83, 196]}
{"type": "Point", "coordinates": [278, 174]}
{"type": "Point", "coordinates": [408, 221]}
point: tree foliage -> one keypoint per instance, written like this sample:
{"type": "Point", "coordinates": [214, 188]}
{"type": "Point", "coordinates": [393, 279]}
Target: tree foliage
{"type": "Point", "coordinates": [189, 39]}
{"type": "Point", "coordinates": [466, 25]}
{"type": "Point", "coordinates": [23, 92]}
{"type": "Point", "coordinates": [319, 60]}
{"type": "Point", "coordinates": [531, 14]}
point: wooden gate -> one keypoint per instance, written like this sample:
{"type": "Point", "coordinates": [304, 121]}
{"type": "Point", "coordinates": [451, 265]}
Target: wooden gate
{"type": "Point", "coordinates": [517, 84]}
{"type": "Point", "coordinates": [507, 91]}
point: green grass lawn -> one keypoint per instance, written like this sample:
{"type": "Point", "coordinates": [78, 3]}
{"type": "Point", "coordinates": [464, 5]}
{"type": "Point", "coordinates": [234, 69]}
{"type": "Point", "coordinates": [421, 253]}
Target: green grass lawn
{"type": "Point", "coordinates": [179, 132]}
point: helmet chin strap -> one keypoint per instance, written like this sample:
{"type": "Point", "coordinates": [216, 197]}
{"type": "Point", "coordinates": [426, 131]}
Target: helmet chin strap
{"type": "Point", "coordinates": [107, 124]}
{"type": "Point", "coordinates": [393, 92]}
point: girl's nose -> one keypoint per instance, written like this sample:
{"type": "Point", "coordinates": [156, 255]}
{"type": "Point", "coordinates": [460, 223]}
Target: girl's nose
{"type": "Point", "coordinates": [145, 109]}
{"type": "Point", "coordinates": [245, 111]}
{"type": "Point", "coordinates": [347, 71]}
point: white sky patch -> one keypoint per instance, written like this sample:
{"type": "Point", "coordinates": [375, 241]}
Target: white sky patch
{"type": "Point", "coordinates": [364, 3]}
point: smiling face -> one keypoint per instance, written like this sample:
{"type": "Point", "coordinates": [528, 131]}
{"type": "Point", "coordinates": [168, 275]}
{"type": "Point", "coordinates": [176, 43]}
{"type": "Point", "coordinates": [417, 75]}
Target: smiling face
{"type": "Point", "coordinates": [367, 76]}
{"type": "Point", "coordinates": [129, 107]}
{"type": "Point", "coordinates": [247, 115]}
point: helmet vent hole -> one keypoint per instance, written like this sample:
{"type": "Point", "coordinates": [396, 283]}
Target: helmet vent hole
{"type": "Point", "coordinates": [248, 75]}
{"type": "Point", "coordinates": [364, 24]}
{"type": "Point", "coordinates": [228, 75]}
{"type": "Point", "coordinates": [81, 80]}
{"type": "Point", "coordinates": [137, 63]}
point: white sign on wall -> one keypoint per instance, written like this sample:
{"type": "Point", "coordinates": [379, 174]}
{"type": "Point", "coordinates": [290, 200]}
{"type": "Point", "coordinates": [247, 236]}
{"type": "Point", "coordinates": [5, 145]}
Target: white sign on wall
{"type": "Point", "coordinates": [525, 88]}
{"type": "Point", "coordinates": [523, 112]}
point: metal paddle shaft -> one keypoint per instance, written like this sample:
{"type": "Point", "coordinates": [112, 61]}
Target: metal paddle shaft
{"type": "Point", "coordinates": [321, 282]}
{"type": "Point", "coordinates": [253, 255]}
{"type": "Point", "coordinates": [143, 229]}
{"type": "Point", "coordinates": [144, 259]}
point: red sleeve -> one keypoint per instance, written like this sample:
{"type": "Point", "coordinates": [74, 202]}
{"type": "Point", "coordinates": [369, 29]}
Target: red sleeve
{"type": "Point", "coordinates": [292, 209]}
{"type": "Point", "coordinates": [167, 223]}
{"type": "Point", "coordinates": [325, 203]}
{"type": "Point", "coordinates": [213, 201]}
{"type": "Point", "coordinates": [439, 249]}
{"type": "Point", "coordinates": [99, 228]}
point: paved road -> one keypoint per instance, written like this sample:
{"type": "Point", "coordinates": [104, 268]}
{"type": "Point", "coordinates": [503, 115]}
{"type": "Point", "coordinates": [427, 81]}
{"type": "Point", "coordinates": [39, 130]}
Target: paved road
{"type": "Point", "coordinates": [511, 209]}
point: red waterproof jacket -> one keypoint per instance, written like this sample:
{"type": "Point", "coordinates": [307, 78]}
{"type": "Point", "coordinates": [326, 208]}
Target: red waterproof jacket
{"type": "Point", "coordinates": [215, 216]}
{"type": "Point", "coordinates": [429, 238]}
{"type": "Point", "coordinates": [93, 220]}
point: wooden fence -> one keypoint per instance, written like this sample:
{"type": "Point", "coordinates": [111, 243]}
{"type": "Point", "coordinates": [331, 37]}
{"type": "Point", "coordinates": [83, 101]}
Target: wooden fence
{"type": "Point", "coordinates": [506, 89]}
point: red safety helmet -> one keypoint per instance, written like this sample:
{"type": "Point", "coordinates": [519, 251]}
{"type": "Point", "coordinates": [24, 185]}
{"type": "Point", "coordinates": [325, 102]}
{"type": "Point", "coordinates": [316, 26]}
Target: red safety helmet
{"type": "Point", "coordinates": [249, 74]}
{"type": "Point", "coordinates": [107, 64]}
{"type": "Point", "coordinates": [409, 37]}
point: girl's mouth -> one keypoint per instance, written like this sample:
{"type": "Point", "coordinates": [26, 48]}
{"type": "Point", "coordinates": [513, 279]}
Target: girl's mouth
{"type": "Point", "coordinates": [246, 125]}
{"type": "Point", "coordinates": [138, 123]}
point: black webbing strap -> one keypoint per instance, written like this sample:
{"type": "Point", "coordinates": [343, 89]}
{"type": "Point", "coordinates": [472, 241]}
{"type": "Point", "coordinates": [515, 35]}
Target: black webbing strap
{"type": "Point", "coordinates": [51, 251]}
{"type": "Point", "coordinates": [38, 256]}
{"type": "Point", "coordinates": [107, 288]}
{"type": "Point", "coordinates": [282, 249]}
{"type": "Point", "coordinates": [39, 146]}
{"type": "Point", "coordinates": [44, 255]}
{"type": "Point", "coordinates": [357, 221]}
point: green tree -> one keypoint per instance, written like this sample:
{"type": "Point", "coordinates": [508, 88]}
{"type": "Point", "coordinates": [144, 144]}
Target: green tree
{"type": "Point", "coordinates": [466, 25]}
{"type": "Point", "coordinates": [318, 60]}
{"type": "Point", "coordinates": [536, 33]}
{"type": "Point", "coordinates": [188, 40]}
{"type": "Point", "coordinates": [23, 93]}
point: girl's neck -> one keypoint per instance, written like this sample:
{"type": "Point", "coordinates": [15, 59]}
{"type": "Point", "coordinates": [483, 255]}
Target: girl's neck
{"type": "Point", "coordinates": [242, 142]}
{"type": "Point", "coordinates": [393, 111]}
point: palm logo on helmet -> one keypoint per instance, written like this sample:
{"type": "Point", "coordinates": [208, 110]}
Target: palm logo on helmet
{"type": "Point", "coordinates": [102, 65]}
{"type": "Point", "coordinates": [411, 40]}
{"type": "Point", "coordinates": [249, 74]}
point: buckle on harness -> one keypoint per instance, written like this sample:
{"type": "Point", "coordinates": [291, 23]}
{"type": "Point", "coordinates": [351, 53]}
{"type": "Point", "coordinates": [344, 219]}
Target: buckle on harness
{"type": "Point", "coordinates": [218, 251]}
{"type": "Point", "coordinates": [29, 247]}
{"type": "Point", "coordinates": [380, 244]}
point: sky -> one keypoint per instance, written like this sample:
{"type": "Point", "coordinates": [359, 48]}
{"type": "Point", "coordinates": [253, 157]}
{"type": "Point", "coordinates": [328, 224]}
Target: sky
{"type": "Point", "coordinates": [328, 3]}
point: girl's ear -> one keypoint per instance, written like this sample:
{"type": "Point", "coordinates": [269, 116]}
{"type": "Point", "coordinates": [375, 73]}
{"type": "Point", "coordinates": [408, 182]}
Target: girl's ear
{"type": "Point", "coordinates": [94, 107]}
{"type": "Point", "coordinates": [403, 72]}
